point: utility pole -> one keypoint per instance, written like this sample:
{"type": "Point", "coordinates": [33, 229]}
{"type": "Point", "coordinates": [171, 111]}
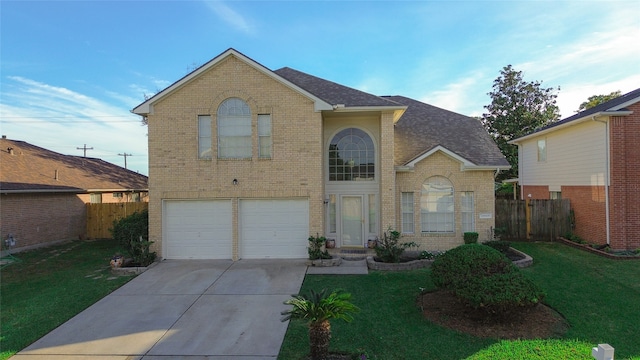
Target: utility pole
{"type": "Point", "coordinates": [85, 148]}
{"type": "Point", "coordinates": [125, 158]}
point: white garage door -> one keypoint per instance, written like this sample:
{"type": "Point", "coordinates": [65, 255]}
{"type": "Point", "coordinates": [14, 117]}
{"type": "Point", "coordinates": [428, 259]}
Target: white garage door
{"type": "Point", "coordinates": [197, 229]}
{"type": "Point", "coordinates": [273, 228]}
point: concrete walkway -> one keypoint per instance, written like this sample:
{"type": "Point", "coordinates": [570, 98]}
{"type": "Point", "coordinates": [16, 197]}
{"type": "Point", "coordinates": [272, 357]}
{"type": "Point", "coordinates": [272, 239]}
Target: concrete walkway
{"type": "Point", "coordinates": [190, 309]}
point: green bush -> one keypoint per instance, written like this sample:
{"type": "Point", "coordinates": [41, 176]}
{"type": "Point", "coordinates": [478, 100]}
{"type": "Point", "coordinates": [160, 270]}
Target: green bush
{"type": "Point", "coordinates": [470, 237]}
{"type": "Point", "coordinates": [132, 233]}
{"type": "Point", "coordinates": [457, 264]}
{"type": "Point", "coordinates": [485, 279]}
{"type": "Point", "coordinates": [502, 246]}
{"type": "Point", "coordinates": [389, 249]}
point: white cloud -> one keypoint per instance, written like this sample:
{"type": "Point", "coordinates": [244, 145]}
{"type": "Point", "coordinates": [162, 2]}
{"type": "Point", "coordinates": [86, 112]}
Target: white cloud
{"type": "Point", "coordinates": [230, 16]}
{"type": "Point", "coordinates": [61, 120]}
{"type": "Point", "coordinates": [461, 96]}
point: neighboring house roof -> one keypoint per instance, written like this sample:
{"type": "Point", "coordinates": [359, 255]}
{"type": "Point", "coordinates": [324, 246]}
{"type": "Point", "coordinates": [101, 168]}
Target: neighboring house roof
{"type": "Point", "coordinates": [29, 168]}
{"type": "Point", "coordinates": [613, 107]}
{"type": "Point", "coordinates": [424, 127]}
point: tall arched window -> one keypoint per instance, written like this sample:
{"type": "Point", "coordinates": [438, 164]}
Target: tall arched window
{"type": "Point", "coordinates": [436, 206]}
{"type": "Point", "coordinates": [234, 129]}
{"type": "Point", "coordinates": [352, 156]}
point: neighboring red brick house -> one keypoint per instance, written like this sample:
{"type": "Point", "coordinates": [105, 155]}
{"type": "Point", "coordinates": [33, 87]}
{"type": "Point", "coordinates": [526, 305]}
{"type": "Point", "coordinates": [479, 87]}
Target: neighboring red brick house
{"type": "Point", "coordinates": [43, 193]}
{"type": "Point", "coordinates": [593, 159]}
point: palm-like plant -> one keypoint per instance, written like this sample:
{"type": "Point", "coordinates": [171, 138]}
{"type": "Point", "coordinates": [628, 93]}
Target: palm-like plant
{"type": "Point", "coordinates": [317, 308]}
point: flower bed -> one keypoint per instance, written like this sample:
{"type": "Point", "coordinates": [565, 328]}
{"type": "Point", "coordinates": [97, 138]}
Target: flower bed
{"type": "Point", "coordinates": [587, 247]}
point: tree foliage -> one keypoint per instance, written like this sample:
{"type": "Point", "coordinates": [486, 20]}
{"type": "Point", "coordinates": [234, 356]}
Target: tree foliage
{"type": "Point", "coordinates": [595, 100]}
{"type": "Point", "coordinates": [517, 108]}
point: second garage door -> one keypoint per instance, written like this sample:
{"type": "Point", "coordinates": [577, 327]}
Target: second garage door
{"type": "Point", "coordinates": [273, 228]}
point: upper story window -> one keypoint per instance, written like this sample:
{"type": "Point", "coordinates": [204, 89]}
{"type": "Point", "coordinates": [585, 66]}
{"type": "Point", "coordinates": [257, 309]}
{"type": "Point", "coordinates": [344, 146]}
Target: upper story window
{"type": "Point", "coordinates": [436, 206]}
{"type": "Point", "coordinates": [204, 137]}
{"type": "Point", "coordinates": [264, 136]}
{"type": "Point", "coordinates": [351, 156]}
{"type": "Point", "coordinates": [234, 129]}
{"type": "Point", "coordinates": [542, 150]}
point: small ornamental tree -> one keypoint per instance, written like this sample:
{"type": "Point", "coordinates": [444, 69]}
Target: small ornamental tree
{"type": "Point", "coordinates": [317, 308]}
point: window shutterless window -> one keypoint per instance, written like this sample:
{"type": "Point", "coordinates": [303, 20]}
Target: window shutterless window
{"type": "Point", "coordinates": [468, 212]}
{"type": "Point", "coordinates": [234, 129]}
{"type": "Point", "coordinates": [436, 206]}
{"type": "Point", "coordinates": [264, 136]}
{"type": "Point", "coordinates": [407, 212]}
{"type": "Point", "coordinates": [204, 137]}
{"type": "Point", "coordinates": [542, 150]}
{"type": "Point", "coordinates": [351, 156]}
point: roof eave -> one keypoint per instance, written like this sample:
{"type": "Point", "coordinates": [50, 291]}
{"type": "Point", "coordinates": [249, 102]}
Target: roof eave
{"type": "Point", "coordinates": [577, 121]}
{"type": "Point", "coordinates": [398, 111]}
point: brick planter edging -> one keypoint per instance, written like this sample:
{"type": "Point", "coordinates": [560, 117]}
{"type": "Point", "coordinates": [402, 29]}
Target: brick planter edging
{"type": "Point", "coordinates": [334, 261]}
{"type": "Point", "coordinates": [409, 265]}
{"type": "Point", "coordinates": [588, 248]}
{"type": "Point", "coordinates": [422, 263]}
{"type": "Point", "coordinates": [135, 270]}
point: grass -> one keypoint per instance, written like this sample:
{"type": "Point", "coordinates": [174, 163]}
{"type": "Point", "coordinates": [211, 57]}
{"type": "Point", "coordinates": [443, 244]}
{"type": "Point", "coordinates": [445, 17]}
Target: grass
{"type": "Point", "coordinates": [51, 285]}
{"type": "Point", "coordinates": [599, 298]}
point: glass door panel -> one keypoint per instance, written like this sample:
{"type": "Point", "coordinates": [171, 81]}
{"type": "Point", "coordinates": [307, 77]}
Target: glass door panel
{"type": "Point", "coordinates": [352, 221]}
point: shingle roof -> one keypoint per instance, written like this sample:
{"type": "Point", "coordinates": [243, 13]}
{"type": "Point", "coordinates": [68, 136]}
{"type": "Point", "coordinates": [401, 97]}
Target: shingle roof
{"type": "Point", "coordinates": [32, 168]}
{"type": "Point", "coordinates": [331, 92]}
{"type": "Point", "coordinates": [611, 105]}
{"type": "Point", "coordinates": [424, 127]}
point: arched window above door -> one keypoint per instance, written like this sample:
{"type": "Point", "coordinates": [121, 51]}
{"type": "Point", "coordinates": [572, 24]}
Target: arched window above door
{"type": "Point", "coordinates": [352, 156]}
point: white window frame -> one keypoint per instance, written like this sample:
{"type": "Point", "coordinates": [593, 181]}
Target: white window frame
{"type": "Point", "coordinates": [204, 137]}
{"type": "Point", "coordinates": [437, 206]}
{"type": "Point", "coordinates": [467, 210]}
{"type": "Point", "coordinates": [264, 136]}
{"type": "Point", "coordinates": [407, 211]}
{"type": "Point", "coordinates": [234, 130]}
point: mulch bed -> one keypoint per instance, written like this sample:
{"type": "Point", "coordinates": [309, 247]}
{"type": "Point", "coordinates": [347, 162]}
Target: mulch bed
{"type": "Point", "coordinates": [540, 322]}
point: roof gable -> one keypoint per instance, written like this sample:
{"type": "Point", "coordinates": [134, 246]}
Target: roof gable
{"type": "Point", "coordinates": [29, 168]}
{"type": "Point", "coordinates": [147, 107]}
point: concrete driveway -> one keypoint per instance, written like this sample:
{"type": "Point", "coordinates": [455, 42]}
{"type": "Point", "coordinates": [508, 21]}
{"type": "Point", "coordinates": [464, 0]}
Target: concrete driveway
{"type": "Point", "coordinates": [183, 309]}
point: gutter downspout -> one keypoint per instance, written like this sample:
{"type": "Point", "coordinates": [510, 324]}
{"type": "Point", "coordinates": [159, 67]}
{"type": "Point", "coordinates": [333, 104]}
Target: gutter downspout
{"type": "Point", "coordinates": [606, 177]}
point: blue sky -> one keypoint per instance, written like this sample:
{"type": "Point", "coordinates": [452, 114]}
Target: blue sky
{"type": "Point", "coordinates": [71, 71]}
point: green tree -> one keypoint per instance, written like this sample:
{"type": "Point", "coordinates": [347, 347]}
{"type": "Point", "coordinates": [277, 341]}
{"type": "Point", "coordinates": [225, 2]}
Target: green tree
{"type": "Point", "coordinates": [317, 308]}
{"type": "Point", "coordinates": [517, 108]}
{"type": "Point", "coordinates": [595, 100]}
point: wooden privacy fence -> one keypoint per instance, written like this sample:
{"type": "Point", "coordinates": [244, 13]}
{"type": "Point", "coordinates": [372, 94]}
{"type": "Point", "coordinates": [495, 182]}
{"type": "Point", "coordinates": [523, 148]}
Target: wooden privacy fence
{"type": "Point", "coordinates": [100, 217]}
{"type": "Point", "coordinates": [533, 219]}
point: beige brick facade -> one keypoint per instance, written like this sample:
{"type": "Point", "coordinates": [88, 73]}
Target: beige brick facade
{"type": "Point", "coordinates": [301, 134]}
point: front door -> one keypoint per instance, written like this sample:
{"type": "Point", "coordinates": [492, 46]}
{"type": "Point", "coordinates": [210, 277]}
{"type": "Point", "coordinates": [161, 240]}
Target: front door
{"type": "Point", "coordinates": [352, 220]}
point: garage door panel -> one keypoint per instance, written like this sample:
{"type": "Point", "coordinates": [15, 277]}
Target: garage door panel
{"type": "Point", "coordinates": [198, 229]}
{"type": "Point", "coordinates": [274, 228]}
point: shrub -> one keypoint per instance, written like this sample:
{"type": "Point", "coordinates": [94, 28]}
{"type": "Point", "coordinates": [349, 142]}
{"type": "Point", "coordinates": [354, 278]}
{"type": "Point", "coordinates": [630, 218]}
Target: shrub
{"type": "Point", "coordinates": [132, 233]}
{"type": "Point", "coordinates": [485, 279]}
{"type": "Point", "coordinates": [389, 249]}
{"type": "Point", "coordinates": [502, 246]}
{"type": "Point", "coordinates": [315, 248]}
{"type": "Point", "coordinates": [470, 237]}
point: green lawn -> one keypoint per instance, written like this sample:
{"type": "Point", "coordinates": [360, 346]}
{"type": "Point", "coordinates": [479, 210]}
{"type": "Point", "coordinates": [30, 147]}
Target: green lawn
{"type": "Point", "coordinates": [49, 286]}
{"type": "Point", "coordinates": [599, 297]}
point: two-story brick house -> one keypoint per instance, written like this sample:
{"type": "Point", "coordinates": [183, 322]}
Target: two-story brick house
{"type": "Point", "coordinates": [246, 162]}
{"type": "Point", "coordinates": [591, 158]}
